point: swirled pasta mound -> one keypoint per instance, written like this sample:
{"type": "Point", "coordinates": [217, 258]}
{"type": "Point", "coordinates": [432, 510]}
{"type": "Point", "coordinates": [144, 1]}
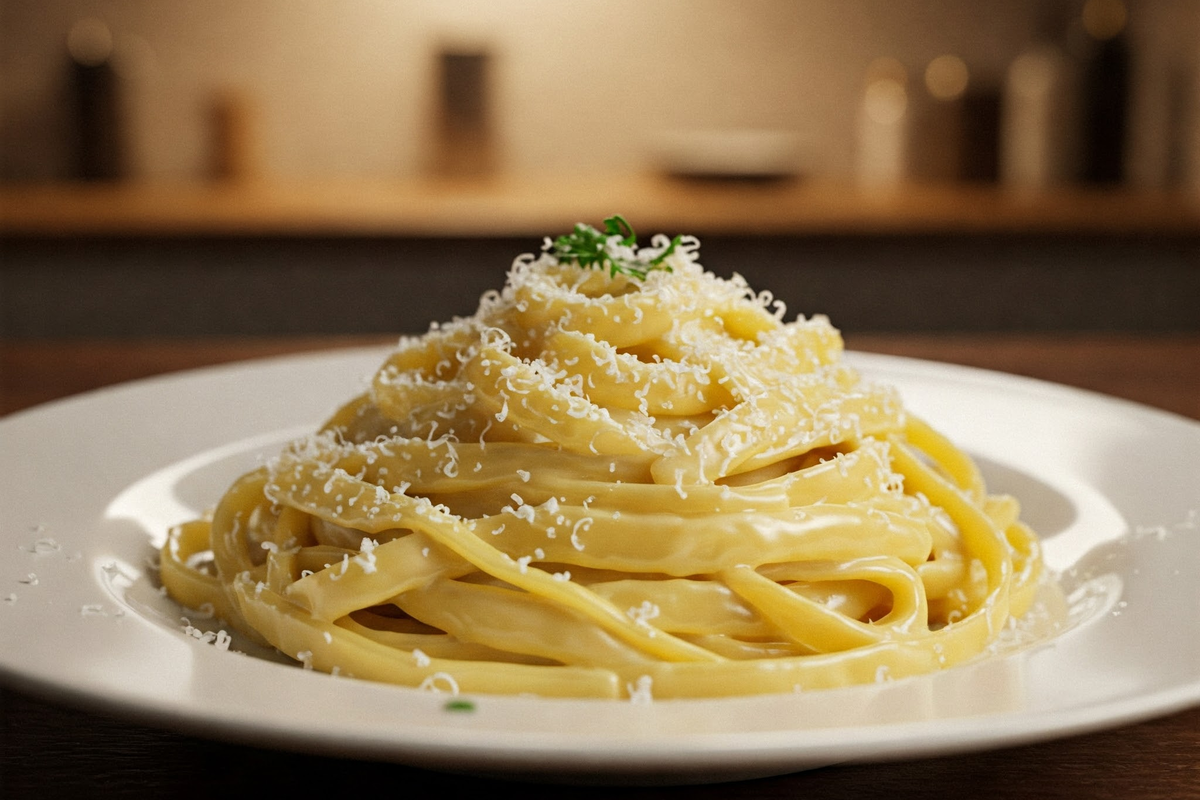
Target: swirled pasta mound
{"type": "Point", "coordinates": [606, 484]}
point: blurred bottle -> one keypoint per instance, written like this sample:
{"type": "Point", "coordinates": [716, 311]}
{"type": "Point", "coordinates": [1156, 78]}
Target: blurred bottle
{"type": "Point", "coordinates": [936, 121]}
{"type": "Point", "coordinates": [464, 140]}
{"type": "Point", "coordinates": [882, 126]}
{"type": "Point", "coordinates": [1040, 128]}
{"type": "Point", "coordinates": [98, 137]}
{"type": "Point", "coordinates": [1041, 125]}
{"type": "Point", "coordinates": [234, 130]}
{"type": "Point", "coordinates": [1105, 90]}
{"type": "Point", "coordinates": [981, 135]}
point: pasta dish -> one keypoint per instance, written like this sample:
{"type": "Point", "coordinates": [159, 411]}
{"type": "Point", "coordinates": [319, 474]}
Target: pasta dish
{"type": "Point", "coordinates": [622, 477]}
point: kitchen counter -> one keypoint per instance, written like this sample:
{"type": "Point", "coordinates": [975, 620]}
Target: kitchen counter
{"type": "Point", "coordinates": [512, 206]}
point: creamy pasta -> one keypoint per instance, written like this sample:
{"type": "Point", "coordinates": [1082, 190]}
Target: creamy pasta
{"type": "Point", "coordinates": [615, 482]}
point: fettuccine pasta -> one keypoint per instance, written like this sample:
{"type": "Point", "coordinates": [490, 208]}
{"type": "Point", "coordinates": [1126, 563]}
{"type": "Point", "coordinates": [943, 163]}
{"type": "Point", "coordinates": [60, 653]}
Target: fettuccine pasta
{"type": "Point", "coordinates": [616, 483]}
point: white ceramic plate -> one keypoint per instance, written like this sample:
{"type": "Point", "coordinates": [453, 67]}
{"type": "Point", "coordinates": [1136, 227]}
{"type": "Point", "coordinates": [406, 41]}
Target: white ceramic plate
{"type": "Point", "coordinates": [90, 483]}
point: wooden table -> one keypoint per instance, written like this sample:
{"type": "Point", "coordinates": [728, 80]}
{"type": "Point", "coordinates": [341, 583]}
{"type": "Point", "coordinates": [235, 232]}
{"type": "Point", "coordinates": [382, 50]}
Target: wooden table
{"type": "Point", "coordinates": [44, 745]}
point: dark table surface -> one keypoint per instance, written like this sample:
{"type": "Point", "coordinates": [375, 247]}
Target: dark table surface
{"type": "Point", "coordinates": [48, 745]}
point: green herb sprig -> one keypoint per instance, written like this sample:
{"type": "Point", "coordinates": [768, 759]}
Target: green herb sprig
{"type": "Point", "coordinates": [589, 247]}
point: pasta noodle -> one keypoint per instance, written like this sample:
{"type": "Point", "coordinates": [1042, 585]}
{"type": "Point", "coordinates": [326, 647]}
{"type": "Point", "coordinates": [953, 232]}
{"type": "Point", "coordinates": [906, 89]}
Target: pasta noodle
{"type": "Point", "coordinates": [616, 483]}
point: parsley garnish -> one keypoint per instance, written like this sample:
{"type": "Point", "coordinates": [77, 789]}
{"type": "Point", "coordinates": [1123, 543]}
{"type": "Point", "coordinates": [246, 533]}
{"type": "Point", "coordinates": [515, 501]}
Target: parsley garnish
{"type": "Point", "coordinates": [459, 705]}
{"type": "Point", "coordinates": [589, 247]}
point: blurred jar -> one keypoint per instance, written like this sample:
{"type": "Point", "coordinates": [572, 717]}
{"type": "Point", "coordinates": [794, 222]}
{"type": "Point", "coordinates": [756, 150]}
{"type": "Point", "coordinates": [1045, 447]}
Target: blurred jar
{"type": "Point", "coordinates": [97, 132]}
{"type": "Point", "coordinates": [1039, 140]}
{"type": "Point", "coordinates": [882, 125]}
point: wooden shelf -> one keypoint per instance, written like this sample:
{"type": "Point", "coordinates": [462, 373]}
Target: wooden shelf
{"type": "Point", "coordinates": [532, 206]}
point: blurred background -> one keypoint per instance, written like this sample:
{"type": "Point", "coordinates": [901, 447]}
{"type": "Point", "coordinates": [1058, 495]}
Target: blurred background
{"type": "Point", "coordinates": [366, 166]}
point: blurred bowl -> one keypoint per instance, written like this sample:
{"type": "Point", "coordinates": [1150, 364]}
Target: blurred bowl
{"type": "Point", "coordinates": [742, 153]}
